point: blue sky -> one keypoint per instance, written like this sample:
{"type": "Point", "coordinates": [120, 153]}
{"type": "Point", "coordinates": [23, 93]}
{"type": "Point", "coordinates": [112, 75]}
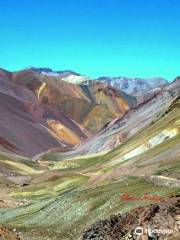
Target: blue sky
{"type": "Point", "coordinates": [134, 38]}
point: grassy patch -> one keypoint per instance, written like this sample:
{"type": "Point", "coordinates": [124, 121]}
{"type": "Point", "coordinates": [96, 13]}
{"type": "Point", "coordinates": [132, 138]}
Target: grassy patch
{"type": "Point", "coordinates": [50, 188]}
{"type": "Point", "coordinates": [75, 210]}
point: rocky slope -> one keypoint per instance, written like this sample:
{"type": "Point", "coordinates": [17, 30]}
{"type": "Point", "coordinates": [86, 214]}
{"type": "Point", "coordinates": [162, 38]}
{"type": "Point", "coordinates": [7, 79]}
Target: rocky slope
{"type": "Point", "coordinates": [54, 198]}
{"type": "Point", "coordinates": [118, 171]}
{"type": "Point", "coordinates": [158, 221]}
{"type": "Point", "coordinates": [22, 130]}
{"type": "Point", "coordinates": [130, 86]}
{"type": "Point", "coordinates": [40, 111]}
{"type": "Point", "coordinates": [151, 107]}
{"type": "Point", "coordinates": [78, 102]}
{"type": "Point", "coordinates": [134, 85]}
{"type": "Point", "coordinates": [6, 234]}
{"type": "Point", "coordinates": [67, 75]}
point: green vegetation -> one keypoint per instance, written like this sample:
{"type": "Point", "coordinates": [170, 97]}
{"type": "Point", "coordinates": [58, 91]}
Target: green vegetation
{"type": "Point", "coordinates": [170, 169]}
{"type": "Point", "coordinates": [51, 188]}
{"type": "Point", "coordinates": [74, 210]}
{"type": "Point", "coordinates": [70, 194]}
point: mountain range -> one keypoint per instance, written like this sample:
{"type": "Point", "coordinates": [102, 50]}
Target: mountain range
{"type": "Point", "coordinates": [84, 158]}
{"type": "Point", "coordinates": [42, 106]}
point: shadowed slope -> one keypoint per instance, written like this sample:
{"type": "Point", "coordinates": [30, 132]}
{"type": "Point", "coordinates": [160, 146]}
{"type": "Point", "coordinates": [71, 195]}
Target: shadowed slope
{"type": "Point", "coordinates": [21, 133]}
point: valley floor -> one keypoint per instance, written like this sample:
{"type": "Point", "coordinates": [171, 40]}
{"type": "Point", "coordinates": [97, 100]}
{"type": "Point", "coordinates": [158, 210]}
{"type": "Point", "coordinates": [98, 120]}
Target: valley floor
{"type": "Point", "coordinates": [49, 199]}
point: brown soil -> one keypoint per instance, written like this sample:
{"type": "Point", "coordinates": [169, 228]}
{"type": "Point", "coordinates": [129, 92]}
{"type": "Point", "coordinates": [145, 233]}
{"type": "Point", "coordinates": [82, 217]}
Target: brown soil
{"type": "Point", "coordinates": [6, 234]}
{"type": "Point", "coordinates": [164, 218]}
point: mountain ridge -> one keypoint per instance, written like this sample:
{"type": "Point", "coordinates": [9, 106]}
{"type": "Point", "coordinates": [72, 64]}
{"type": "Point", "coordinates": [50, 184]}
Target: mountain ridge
{"type": "Point", "coordinates": [129, 85]}
{"type": "Point", "coordinates": [67, 112]}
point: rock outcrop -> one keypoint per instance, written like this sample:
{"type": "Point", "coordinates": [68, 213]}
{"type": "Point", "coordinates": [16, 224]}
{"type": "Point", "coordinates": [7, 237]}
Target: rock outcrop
{"type": "Point", "coordinates": [159, 221]}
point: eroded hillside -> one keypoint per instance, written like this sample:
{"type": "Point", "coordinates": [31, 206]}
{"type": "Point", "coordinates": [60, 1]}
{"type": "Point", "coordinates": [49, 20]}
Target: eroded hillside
{"type": "Point", "coordinates": [50, 199]}
{"type": "Point", "coordinates": [130, 163]}
{"type": "Point", "coordinates": [41, 112]}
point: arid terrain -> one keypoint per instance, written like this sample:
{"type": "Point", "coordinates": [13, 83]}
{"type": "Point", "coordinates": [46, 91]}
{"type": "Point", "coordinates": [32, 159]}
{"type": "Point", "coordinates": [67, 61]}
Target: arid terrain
{"type": "Point", "coordinates": [85, 158]}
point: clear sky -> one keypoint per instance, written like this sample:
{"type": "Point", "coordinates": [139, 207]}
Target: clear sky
{"type": "Point", "coordinates": [135, 38]}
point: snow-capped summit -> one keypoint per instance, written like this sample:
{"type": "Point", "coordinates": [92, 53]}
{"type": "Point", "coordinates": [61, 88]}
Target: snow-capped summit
{"type": "Point", "coordinates": [66, 75]}
{"type": "Point", "coordinates": [133, 85]}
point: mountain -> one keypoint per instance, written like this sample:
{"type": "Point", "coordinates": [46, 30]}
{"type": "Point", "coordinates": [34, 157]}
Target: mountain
{"type": "Point", "coordinates": [67, 75]}
{"type": "Point", "coordinates": [152, 106]}
{"type": "Point", "coordinates": [48, 112]}
{"type": "Point", "coordinates": [23, 130]}
{"type": "Point", "coordinates": [83, 194]}
{"type": "Point", "coordinates": [91, 106]}
{"type": "Point", "coordinates": [133, 85]}
{"type": "Point", "coordinates": [87, 161]}
{"type": "Point", "coordinates": [50, 71]}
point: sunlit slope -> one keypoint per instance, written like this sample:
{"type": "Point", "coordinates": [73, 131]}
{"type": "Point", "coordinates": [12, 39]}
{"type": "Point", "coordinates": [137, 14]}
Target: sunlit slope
{"type": "Point", "coordinates": [70, 195]}
{"type": "Point", "coordinates": [40, 111]}
{"type": "Point", "coordinates": [159, 138]}
{"type": "Point", "coordinates": [66, 216]}
{"type": "Point", "coordinates": [77, 102]}
{"type": "Point", "coordinates": [25, 127]}
{"type": "Point", "coordinates": [119, 130]}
